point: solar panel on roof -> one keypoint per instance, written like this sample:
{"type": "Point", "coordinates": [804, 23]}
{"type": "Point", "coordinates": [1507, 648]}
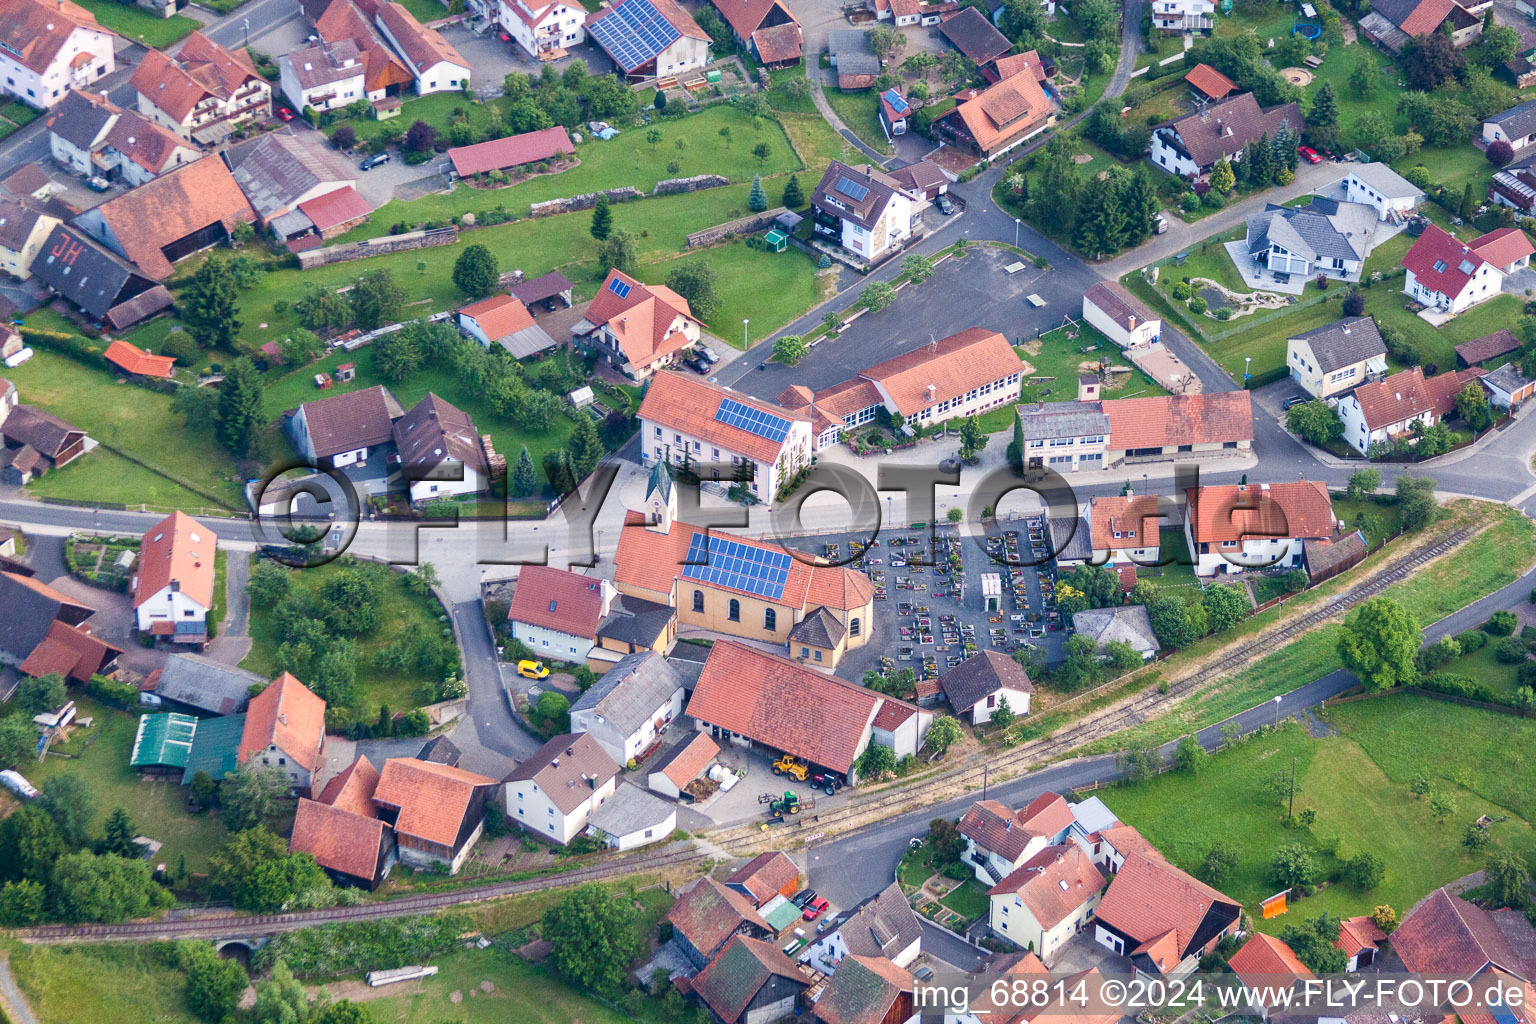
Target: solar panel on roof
{"type": "Point", "coordinates": [619, 288]}
{"type": "Point", "coordinates": [852, 189]}
{"type": "Point", "coordinates": [897, 103]}
{"type": "Point", "coordinates": [735, 414]}
{"type": "Point", "coordinates": [1466, 267]}
{"type": "Point", "coordinates": [730, 563]}
{"type": "Point", "coordinates": [634, 33]}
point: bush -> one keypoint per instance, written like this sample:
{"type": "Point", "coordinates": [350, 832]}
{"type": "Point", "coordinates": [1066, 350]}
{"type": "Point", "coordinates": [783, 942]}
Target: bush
{"type": "Point", "coordinates": [1501, 623]}
{"type": "Point", "coordinates": [1457, 686]}
{"type": "Point", "coordinates": [1198, 305]}
{"type": "Point", "coordinates": [108, 691]}
{"type": "Point", "coordinates": [1418, 176]}
{"type": "Point", "coordinates": [1510, 650]}
{"type": "Point", "coordinates": [1472, 640]}
{"type": "Point", "coordinates": [1181, 292]}
{"type": "Point", "coordinates": [1500, 153]}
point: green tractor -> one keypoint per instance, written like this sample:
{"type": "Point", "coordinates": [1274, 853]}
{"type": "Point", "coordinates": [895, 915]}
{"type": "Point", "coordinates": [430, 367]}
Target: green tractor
{"type": "Point", "coordinates": [789, 804]}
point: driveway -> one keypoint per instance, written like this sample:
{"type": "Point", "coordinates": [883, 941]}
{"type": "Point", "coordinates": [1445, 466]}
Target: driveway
{"type": "Point", "coordinates": [113, 622]}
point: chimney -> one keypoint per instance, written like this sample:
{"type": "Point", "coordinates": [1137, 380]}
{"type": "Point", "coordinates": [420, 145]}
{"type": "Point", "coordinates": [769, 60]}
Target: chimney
{"type": "Point", "coordinates": [568, 751]}
{"type": "Point", "coordinates": [282, 716]}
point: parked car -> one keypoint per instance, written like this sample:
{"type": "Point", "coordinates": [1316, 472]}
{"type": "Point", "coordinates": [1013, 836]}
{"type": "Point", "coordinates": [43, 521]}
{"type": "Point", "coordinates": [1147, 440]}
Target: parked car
{"type": "Point", "coordinates": [945, 204]}
{"type": "Point", "coordinates": [814, 909]}
{"type": "Point", "coordinates": [506, 38]}
{"type": "Point", "coordinates": [369, 163]}
{"type": "Point", "coordinates": [1294, 401]}
{"type": "Point", "coordinates": [98, 183]}
{"type": "Point", "coordinates": [697, 363]}
{"type": "Point", "coordinates": [804, 897]}
{"type": "Point", "coordinates": [708, 353]}
{"type": "Point", "coordinates": [532, 670]}
{"type": "Point", "coordinates": [284, 114]}
{"type": "Point", "coordinates": [1309, 154]}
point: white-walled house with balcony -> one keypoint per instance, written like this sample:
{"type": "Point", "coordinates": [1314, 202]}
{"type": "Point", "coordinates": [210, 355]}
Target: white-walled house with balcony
{"type": "Point", "coordinates": [204, 93]}
{"type": "Point", "coordinates": [1256, 526]}
{"type": "Point", "coordinates": [48, 48]}
{"type": "Point", "coordinates": [1183, 15]}
{"type": "Point", "coordinates": [323, 76]}
{"type": "Point", "coordinates": [629, 705]}
{"type": "Point", "coordinates": [542, 28]}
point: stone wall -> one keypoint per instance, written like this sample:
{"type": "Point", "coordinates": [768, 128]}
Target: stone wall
{"type": "Point", "coordinates": [672, 186]}
{"type": "Point", "coordinates": [550, 207]}
{"type": "Point", "coordinates": [740, 226]}
{"type": "Point", "coordinates": [377, 247]}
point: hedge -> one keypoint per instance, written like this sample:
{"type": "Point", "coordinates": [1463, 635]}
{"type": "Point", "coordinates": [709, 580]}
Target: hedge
{"type": "Point", "coordinates": [335, 949]}
{"type": "Point", "coordinates": [111, 692]}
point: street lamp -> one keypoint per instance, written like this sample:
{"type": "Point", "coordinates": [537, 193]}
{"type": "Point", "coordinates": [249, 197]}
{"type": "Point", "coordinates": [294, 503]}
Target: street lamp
{"type": "Point", "coordinates": [246, 24]}
{"type": "Point", "coordinates": [1247, 361]}
{"type": "Point", "coordinates": [1277, 710]}
{"type": "Point", "coordinates": [1015, 232]}
{"type": "Point", "coordinates": [744, 322]}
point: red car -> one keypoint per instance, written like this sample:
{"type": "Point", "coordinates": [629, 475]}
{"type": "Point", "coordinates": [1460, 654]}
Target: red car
{"type": "Point", "coordinates": [506, 38]}
{"type": "Point", "coordinates": [284, 114]}
{"type": "Point", "coordinates": [814, 908]}
{"type": "Point", "coordinates": [1309, 154]}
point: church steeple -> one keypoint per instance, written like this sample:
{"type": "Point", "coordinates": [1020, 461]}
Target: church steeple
{"type": "Point", "coordinates": [660, 498]}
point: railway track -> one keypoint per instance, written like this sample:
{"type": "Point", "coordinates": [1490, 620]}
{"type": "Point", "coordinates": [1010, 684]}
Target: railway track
{"type": "Point", "coordinates": [231, 925]}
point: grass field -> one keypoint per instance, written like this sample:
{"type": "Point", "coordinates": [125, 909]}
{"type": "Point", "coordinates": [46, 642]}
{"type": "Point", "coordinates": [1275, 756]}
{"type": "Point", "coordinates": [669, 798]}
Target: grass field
{"type": "Point", "coordinates": [1483, 666]}
{"type": "Point", "coordinates": [860, 111]}
{"type": "Point", "coordinates": [969, 900]}
{"type": "Point", "coordinates": [1055, 355]}
{"type": "Point", "coordinates": [1381, 520]}
{"type": "Point", "coordinates": [400, 613]}
{"type": "Point", "coordinates": [139, 24]}
{"type": "Point", "coordinates": [104, 476]}
{"type": "Point", "coordinates": [158, 806]}
{"type": "Point", "coordinates": [128, 983]}
{"type": "Point", "coordinates": [1359, 807]}
{"type": "Point", "coordinates": [626, 160]}
{"type": "Point", "coordinates": [133, 419]}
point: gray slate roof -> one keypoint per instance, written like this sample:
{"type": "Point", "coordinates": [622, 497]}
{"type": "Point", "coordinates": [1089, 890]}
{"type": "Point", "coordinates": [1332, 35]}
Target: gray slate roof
{"type": "Point", "coordinates": [202, 683]}
{"type": "Point", "coordinates": [28, 616]}
{"type": "Point", "coordinates": [1516, 122]}
{"type": "Point", "coordinates": [80, 119]}
{"type": "Point", "coordinates": [630, 692]}
{"type": "Point", "coordinates": [981, 675]}
{"type": "Point", "coordinates": [818, 629]}
{"type": "Point", "coordinates": [275, 170]}
{"type": "Point", "coordinates": [1063, 419]}
{"type": "Point", "coordinates": [843, 41]}
{"type": "Point", "coordinates": [1506, 378]}
{"type": "Point", "coordinates": [1343, 342]}
{"type": "Point", "coordinates": [1128, 623]}
{"type": "Point", "coordinates": [631, 809]}
{"type": "Point", "coordinates": [633, 621]}
{"type": "Point", "coordinates": [1324, 229]}
{"type": "Point", "coordinates": [882, 925]}
{"type": "Point", "coordinates": [1073, 545]}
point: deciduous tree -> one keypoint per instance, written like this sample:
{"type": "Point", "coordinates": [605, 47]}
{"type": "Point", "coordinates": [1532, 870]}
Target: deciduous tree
{"type": "Point", "coordinates": [1378, 642]}
{"type": "Point", "coordinates": [592, 937]}
{"type": "Point", "coordinates": [476, 272]}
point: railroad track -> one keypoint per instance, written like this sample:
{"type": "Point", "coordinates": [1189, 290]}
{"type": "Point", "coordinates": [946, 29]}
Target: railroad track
{"type": "Point", "coordinates": [234, 925]}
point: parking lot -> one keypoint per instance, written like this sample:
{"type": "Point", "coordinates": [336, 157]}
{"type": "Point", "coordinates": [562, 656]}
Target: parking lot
{"type": "Point", "coordinates": [931, 612]}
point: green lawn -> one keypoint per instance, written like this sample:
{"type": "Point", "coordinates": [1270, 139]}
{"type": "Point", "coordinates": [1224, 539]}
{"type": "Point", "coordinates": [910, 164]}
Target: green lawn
{"type": "Point", "coordinates": [425, 10]}
{"type": "Point", "coordinates": [400, 613]}
{"type": "Point", "coordinates": [1055, 355]}
{"type": "Point", "coordinates": [133, 419]}
{"type": "Point", "coordinates": [104, 476]}
{"type": "Point", "coordinates": [969, 900]}
{"type": "Point", "coordinates": [1483, 666]}
{"type": "Point", "coordinates": [127, 983]}
{"type": "Point", "coordinates": [158, 807]}
{"type": "Point", "coordinates": [816, 144]}
{"type": "Point", "coordinates": [626, 160]}
{"type": "Point", "coordinates": [140, 25]}
{"type": "Point", "coordinates": [771, 289]}
{"type": "Point", "coordinates": [1358, 807]}
{"type": "Point", "coordinates": [860, 111]}
{"type": "Point", "coordinates": [780, 99]}
{"type": "Point", "coordinates": [1381, 520]}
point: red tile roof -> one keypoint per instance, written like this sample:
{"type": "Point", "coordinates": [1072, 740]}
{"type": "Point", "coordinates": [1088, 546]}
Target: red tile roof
{"type": "Point", "coordinates": [499, 316]}
{"type": "Point", "coordinates": [1426, 16]}
{"type": "Point", "coordinates": [746, 16]}
{"type": "Point", "coordinates": [684, 403]}
{"type": "Point", "coordinates": [1206, 418]}
{"type": "Point", "coordinates": [433, 798]}
{"type": "Point", "coordinates": [338, 839]}
{"type": "Point", "coordinates": [1502, 246]}
{"type": "Point", "coordinates": [787, 706]}
{"type": "Point", "coordinates": [766, 876]}
{"type": "Point", "coordinates": [352, 788]}
{"type": "Point", "coordinates": [709, 913]}
{"type": "Point", "coordinates": [557, 599]}
{"type": "Point", "coordinates": [37, 30]}
{"type": "Point", "coordinates": [1008, 109]}
{"type": "Point", "coordinates": [176, 204]}
{"type": "Point", "coordinates": [422, 47]}
{"type": "Point", "coordinates": [1134, 518]}
{"type": "Point", "coordinates": [1053, 883]}
{"type": "Point", "coordinates": [1210, 81]}
{"type": "Point", "coordinates": [1442, 263]}
{"type": "Point", "coordinates": [1408, 395]}
{"type": "Point", "coordinates": [1265, 961]}
{"type": "Point", "coordinates": [1156, 904]}
{"type": "Point", "coordinates": [1235, 512]}
{"type": "Point", "coordinates": [69, 651]}
{"type": "Point", "coordinates": [201, 70]}
{"type": "Point", "coordinates": [648, 320]}
{"type": "Point", "coordinates": [512, 151]}
{"type": "Point", "coordinates": [991, 825]}
{"type": "Point", "coordinates": [1357, 934]}
{"type": "Point", "coordinates": [778, 44]}
{"type": "Point", "coordinates": [179, 550]}
{"type": "Point", "coordinates": [1445, 935]}
{"type": "Point", "coordinates": [945, 370]}
{"type": "Point", "coordinates": [286, 715]}
{"type": "Point", "coordinates": [336, 208]}
{"type": "Point", "coordinates": [343, 20]}
{"type": "Point", "coordinates": [691, 760]}
{"type": "Point", "coordinates": [1048, 814]}
{"type": "Point", "coordinates": [132, 359]}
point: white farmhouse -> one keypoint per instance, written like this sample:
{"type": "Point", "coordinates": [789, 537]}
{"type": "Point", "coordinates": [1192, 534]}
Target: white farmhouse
{"type": "Point", "coordinates": [977, 686]}
{"type": "Point", "coordinates": [1183, 15]}
{"type": "Point", "coordinates": [172, 588]}
{"type": "Point", "coordinates": [1116, 314]}
{"type": "Point", "coordinates": [1452, 276]}
{"type": "Point", "coordinates": [441, 454]}
{"type": "Point", "coordinates": [48, 47]}
{"type": "Point", "coordinates": [1046, 900]}
{"type": "Point", "coordinates": [431, 59]}
{"type": "Point", "coordinates": [555, 612]}
{"type": "Point", "coordinates": [865, 211]}
{"type": "Point", "coordinates": [542, 28]}
{"type": "Point", "coordinates": [1383, 410]}
{"type": "Point", "coordinates": [345, 430]}
{"type": "Point", "coordinates": [630, 705]}
{"type": "Point", "coordinates": [1516, 126]}
{"type": "Point", "coordinates": [1190, 146]}
{"type": "Point", "coordinates": [323, 76]}
{"type": "Point", "coordinates": [1379, 186]}
{"type": "Point", "coordinates": [555, 791]}
{"type": "Point", "coordinates": [999, 839]}
{"type": "Point", "coordinates": [1246, 526]}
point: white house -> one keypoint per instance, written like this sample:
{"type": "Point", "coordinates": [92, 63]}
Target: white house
{"type": "Point", "coordinates": [323, 76]}
{"type": "Point", "coordinates": [1336, 357]}
{"type": "Point", "coordinates": [554, 792]}
{"type": "Point", "coordinates": [345, 430]}
{"type": "Point", "coordinates": [78, 128]}
{"type": "Point", "coordinates": [431, 59]}
{"type": "Point", "coordinates": [173, 584]}
{"type": "Point", "coordinates": [977, 686]}
{"type": "Point", "coordinates": [1124, 529]}
{"type": "Point", "coordinates": [999, 839]}
{"type": "Point", "coordinates": [1255, 526]}
{"type": "Point", "coordinates": [633, 818]}
{"type": "Point", "coordinates": [885, 926]}
{"type": "Point", "coordinates": [1119, 316]}
{"type": "Point", "coordinates": [505, 321]}
{"type": "Point", "coordinates": [638, 328]}
{"type": "Point", "coordinates": [630, 705]}
{"type": "Point", "coordinates": [441, 454]}
{"type": "Point", "coordinates": [685, 420]}
{"type": "Point", "coordinates": [555, 612]}
{"type": "Point", "coordinates": [1066, 436]}
{"type": "Point", "coordinates": [204, 93]}
{"type": "Point", "coordinates": [1516, 126]}
{"type": "Point", "coordinates": [540, 28]}
{"type": "Point", "coordinates": [284, 728]}
{"type": "Point", "coordinates": [1046, 900]}
{"type": "Point", "coordinates": [1183, 15]}
{"type": "Point", "coordinates": [1324, 237]}
{"type": "Point", "coordinates": [649, 38]}
{"type": "Point", "coordinates": [22, 234]}
{"type": "Point", "coordinates": [1379, 186]}
{"type": "Point", "coordinates": [90, 135]}
{"type": "Point", "coordinates": [48, 47]}
{"type": "Point", "coordinates": [1451, 276]}
{"type": "Point", "coordinates": [1382, 410]}
{"type": "Point", "coordinates": [1191, 145]}
{"type": "Point", "coordinates": [865, 211]}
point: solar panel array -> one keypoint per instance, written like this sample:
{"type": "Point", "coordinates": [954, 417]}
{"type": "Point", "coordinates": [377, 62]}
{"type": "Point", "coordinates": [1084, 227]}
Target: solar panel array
{"type": "Point", "coordinates": [618, 287]}
{"type": "Point", "coordinates": [633, 33]}
{"type": "Point", "coordinates": [894, 99]}
{"type": "Point", "coordinates": [734, 414]}
{"type": "Point", "coordinates": [730, 563]}
{"type": "Point", "coordinates": [852, 189]}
